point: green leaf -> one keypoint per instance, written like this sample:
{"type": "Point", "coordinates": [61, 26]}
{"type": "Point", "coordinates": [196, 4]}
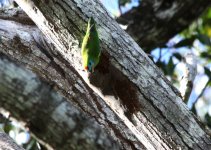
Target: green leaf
{"type": "Point", "coordinates": [209, 83]}
{"type": "Point", "coordinates": [123, 2]}
{"type": "Point", "coordinates": [8, 128]}
{"type": "Point", "coordinates": [185, 42]}
{"type": "Point", "coordinates": [207, 21]}
{"type": "Point", "coordinates": [170, 67]}
{"type": "Point", "coordinates": [162, 66]}
{"type": "Point", "coordinates": [207, 72]}
{"type": "Point", "coordinates": [205, 55]}
{"type": "Point", "coordinates": [204, 39]}
{"type": "Point", "coordinates": [178, 56]}
{"type": "Point", "coordinates": [208, 119]}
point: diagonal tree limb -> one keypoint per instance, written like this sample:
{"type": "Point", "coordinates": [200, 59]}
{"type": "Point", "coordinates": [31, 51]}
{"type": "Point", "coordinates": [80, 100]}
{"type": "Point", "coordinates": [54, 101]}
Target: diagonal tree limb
{"type": "Point", "coordinates": [27, 49]}
{"type": "Point", "coordinates": [55, 121]}
{"type": "Point", "coordinates": [134, 81]}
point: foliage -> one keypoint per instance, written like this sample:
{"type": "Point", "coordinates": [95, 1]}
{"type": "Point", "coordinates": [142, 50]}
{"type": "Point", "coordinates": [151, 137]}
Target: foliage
{"type": "Point", "coordinates": [124, 2]}
{"type": "Point", "coordinates": [13, 127]}
{"type": "Point", "coordinates": [196, 38]}
{"type": "Point", "coordinates": [208, 120]}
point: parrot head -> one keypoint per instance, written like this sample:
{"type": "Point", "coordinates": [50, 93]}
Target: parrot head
{"type": "Point", "coordinates": [90, 49]}
{"type": "Point", "coordinates": [90, 66]}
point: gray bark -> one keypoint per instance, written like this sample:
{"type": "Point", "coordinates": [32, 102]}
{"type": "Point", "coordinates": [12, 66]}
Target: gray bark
{"type": "Point", "coordinates": [46, 113]}
{"type": "Point", "coordinates": [6, 143]}
{"type": "Point", "coordinates": [40, 58]}
{"type": "Point", "coordinates": [150, 113]}
{"type": "Point", "coordinates": [154, 22]}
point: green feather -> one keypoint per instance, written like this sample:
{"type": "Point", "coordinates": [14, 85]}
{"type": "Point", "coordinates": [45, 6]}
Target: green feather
{"type": "Point", "coordinates": [90, 47]}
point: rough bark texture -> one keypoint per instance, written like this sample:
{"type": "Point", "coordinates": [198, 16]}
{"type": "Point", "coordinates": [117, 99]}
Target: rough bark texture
{"type": "Point", "coordinates": [6, 143]}
{"type": "Point", "coordinates": [154, 22]}
{"type": "Point", "coordinates": [150, 113]}
{"type": "Point", "coordinates": [47, 63]}
{"type": "Point", "coordinates": [47, 114]}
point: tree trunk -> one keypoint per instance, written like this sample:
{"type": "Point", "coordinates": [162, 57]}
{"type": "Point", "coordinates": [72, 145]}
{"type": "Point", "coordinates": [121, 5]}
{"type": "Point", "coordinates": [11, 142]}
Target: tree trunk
{"type": "Point", "coordinates": [154, 22]}
{"type": "Point", "coordinates": [41, 61]}
{"type": "Point", "coordinates": [47, 114]}
{"type": "Point", "coordinates": [150, 113]}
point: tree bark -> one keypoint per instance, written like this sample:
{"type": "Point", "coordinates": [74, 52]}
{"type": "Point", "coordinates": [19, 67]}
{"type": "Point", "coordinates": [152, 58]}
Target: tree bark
{"type": "Point", "coordinates": [150, 113]}
{"type": "Point", "coordinates": [154, 22]}
{"type": "Point", "coordinates": [6, 143]}
{"type": "Point", "coordinates": [47, 114]}
{"type": "Point", "coordinates": [41, 60]}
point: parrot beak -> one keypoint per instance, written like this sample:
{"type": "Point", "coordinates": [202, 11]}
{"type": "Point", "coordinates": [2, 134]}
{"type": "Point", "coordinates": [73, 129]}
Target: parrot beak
{"type": "Point", "coordinates": [86, 68]}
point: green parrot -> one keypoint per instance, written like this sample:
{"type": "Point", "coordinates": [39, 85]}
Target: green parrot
{"type": "Point", "coordinates": [90, 49]}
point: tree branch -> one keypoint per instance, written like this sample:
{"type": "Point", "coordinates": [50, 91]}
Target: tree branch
{"type": "Point", "coordinates": [49, 116]}
{"type": "Point", "coordinates": [153, 23]}
{"type": "Point", "coordinates": [200, 95]}
{"type": "Point", "coordinates": [41, 58]}
{"type": "Point", "coordinates": [126, 81]}
{"type": "Point", "coordinates": [186, 84]}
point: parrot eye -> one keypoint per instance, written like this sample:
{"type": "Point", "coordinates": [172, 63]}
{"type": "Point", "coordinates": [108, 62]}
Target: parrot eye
{"type": "Point", "coordinates": [86, 68]}
{"type": "Point", "coordinates": [90, 66]}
